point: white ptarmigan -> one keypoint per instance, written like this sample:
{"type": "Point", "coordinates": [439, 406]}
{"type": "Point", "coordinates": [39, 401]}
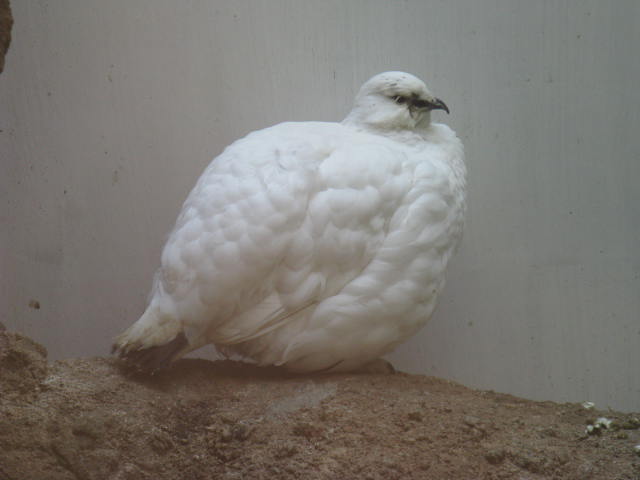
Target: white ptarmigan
{"type": "Point", "coordinates": [316, 246]}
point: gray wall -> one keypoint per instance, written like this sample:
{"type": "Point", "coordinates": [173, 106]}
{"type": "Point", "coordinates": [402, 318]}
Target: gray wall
{"type": "Point", "coordinates": [110, 110]}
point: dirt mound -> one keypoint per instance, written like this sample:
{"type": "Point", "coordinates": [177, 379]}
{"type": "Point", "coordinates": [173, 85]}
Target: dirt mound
{"type": "Point", "coordinates": [89, 419]}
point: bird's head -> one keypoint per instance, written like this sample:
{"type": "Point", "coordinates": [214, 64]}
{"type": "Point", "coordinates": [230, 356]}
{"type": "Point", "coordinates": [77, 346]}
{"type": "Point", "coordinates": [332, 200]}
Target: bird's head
{"type": "Point", "coordinates": [394, 101]}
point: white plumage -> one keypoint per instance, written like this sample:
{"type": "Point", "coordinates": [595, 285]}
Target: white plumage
{"type": "Point", "coordinates": [317, 246]}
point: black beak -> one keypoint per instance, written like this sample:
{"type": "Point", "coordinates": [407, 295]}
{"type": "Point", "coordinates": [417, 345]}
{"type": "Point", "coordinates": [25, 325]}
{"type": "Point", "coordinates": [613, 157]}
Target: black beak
{"type": "Point", "coordinates": [438, 104]}
{"type": "Point", "coordinates": [435, 104]}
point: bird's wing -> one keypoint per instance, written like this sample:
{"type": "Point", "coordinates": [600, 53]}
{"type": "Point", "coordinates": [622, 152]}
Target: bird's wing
{"type": "Point", "coordinates": [234, 229]}
{"type": "Point", "coordinates": [355, 191]}
{"type": "Point", "coordinates": [281, 220]}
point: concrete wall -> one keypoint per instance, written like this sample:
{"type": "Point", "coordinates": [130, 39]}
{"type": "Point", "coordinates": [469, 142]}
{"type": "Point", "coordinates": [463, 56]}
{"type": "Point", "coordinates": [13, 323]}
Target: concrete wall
{"type": "Point", "coordinates": [110, 110]}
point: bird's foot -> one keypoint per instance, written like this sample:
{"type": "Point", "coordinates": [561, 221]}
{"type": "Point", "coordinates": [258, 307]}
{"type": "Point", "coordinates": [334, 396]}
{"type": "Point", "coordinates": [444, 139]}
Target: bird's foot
{"type": "Point", "coordinates": [152, 359]}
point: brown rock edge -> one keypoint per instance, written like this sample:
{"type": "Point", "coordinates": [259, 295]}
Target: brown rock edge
{"type": "Point", "coordinates": [6, 22]}
{"type": "Point", "coordinates": [90, 419]}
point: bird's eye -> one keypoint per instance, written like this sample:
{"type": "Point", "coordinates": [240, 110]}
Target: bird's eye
{"type": "Point", "coordinates": [400, 99]}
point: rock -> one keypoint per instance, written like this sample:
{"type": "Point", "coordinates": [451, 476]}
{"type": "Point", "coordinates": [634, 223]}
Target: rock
{"type": "Point", "coordinates": [6, 22]}
{"type": "Point", "coordinates": [91, 419]}
{"type": "Point", "coordinates": [23, 364]}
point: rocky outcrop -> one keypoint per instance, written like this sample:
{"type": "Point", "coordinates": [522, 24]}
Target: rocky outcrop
{"type": "Point", "coordinates": [6, 22]}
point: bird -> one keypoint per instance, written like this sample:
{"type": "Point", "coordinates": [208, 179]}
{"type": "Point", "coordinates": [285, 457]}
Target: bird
{"type": "Point", "coordinates": [314, 246]}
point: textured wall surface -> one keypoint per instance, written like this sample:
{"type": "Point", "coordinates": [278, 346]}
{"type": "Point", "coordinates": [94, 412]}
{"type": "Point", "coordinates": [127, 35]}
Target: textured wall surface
{"type": "Point", "coordinates": [110, 110]}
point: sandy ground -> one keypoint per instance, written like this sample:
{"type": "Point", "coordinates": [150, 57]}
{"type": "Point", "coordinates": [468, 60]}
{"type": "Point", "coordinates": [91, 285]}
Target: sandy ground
{"type": "Point", "coordinates": [90, 419]}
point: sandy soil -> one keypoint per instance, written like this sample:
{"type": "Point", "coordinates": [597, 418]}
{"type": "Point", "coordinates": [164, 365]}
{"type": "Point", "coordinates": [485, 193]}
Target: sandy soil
{"type": "Point", "coordinates": [90, 419]}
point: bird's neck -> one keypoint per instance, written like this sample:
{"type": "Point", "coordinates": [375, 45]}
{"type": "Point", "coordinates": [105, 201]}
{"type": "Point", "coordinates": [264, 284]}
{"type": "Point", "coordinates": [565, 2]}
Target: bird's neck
{"type": "Point", "coordinates": [387, 121]}
{"type": "Point", "coordinates": [410, 135]}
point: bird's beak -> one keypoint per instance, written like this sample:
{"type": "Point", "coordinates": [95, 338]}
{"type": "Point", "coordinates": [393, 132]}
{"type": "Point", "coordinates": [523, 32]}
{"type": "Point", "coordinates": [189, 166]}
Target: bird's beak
{"type": "Point", "coordinates": [438, 104]}
{"type": "Point", "coordinates": [432, 103]}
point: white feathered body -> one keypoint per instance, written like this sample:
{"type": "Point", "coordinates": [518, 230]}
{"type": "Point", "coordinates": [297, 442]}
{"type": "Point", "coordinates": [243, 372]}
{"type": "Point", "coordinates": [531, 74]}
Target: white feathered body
{"type": "Point", "coordinates": [312, 245]}
{"type": "Point", "coordinates": [317, 246]}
